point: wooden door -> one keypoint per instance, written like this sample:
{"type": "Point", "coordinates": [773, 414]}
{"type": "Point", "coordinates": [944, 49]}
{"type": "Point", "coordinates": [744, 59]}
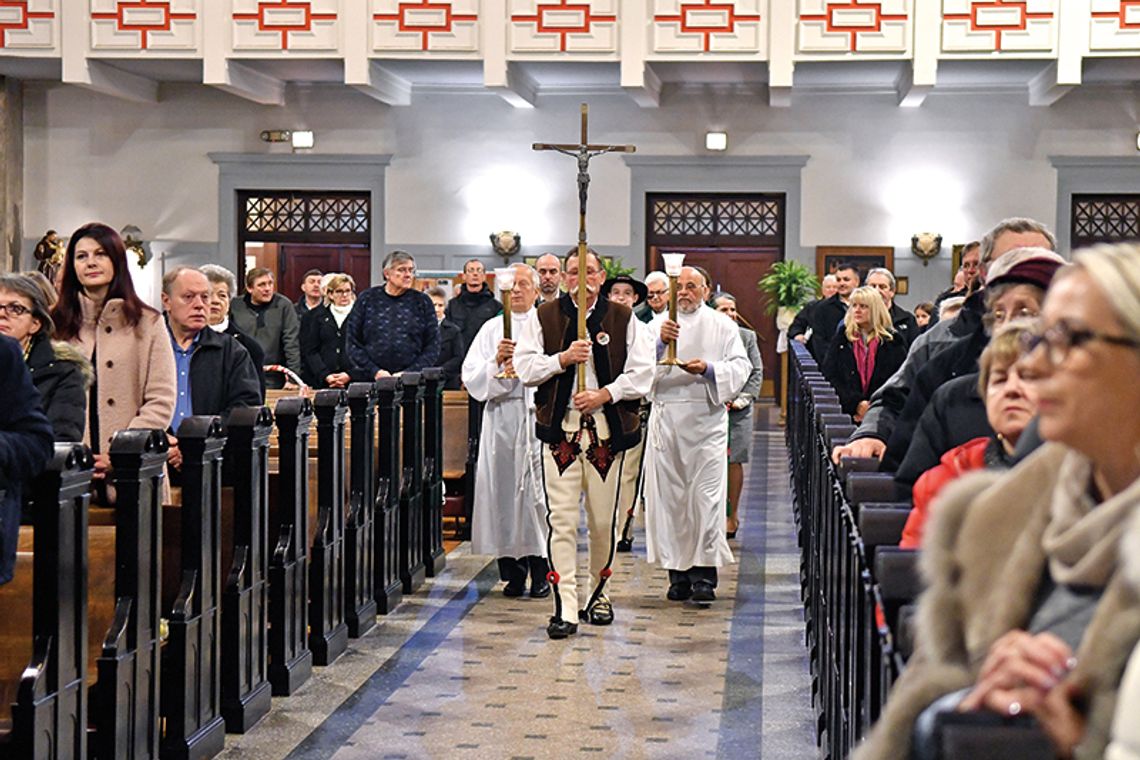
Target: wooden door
{"type": "Point", "coordinates": [736, 270]}
{"type": "Point", "coordinates": [297, 258]}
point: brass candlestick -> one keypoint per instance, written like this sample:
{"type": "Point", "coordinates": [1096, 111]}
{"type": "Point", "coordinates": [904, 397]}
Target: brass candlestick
{"type": "Point", "coordinates": [673, 264]}
{"type": "Point", "coordinates": [505, 279]}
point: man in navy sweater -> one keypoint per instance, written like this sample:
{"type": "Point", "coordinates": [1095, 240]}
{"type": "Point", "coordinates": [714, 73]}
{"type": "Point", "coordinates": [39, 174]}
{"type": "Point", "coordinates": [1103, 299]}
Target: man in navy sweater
{"type": "Point", "coordinates": [392, 328]}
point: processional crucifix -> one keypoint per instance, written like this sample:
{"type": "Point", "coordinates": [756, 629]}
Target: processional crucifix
{"type": "Point", "coordinates": [583, 151]}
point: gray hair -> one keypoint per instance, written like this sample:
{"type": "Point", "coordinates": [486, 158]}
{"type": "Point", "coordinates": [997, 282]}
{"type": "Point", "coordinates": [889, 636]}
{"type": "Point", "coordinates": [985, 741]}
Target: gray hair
{"type": "Point", "coordinates": [219, 275]}
{"type": "Point", "coordinates": [656, 276]}
{"type": "Point", "coordinates": [722, 294]}
{"type": "Point", "coordinates": [950, 305]}
{"type": "Point", "coordinates": [169, 278]}
{"type": "Point", "coordinates": [395, 257]}
{"type": "Point", "coordinates": [533, 273]}
{"type": "Point", "coordinates": [25, 286]}
{"type": "Point", "coordinates": [1013, 224]}
{"type": "Point", "coordinates": [885, 272]}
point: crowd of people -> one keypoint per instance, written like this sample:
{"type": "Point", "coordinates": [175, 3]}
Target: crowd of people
{"type": "Point", "coordinates": [1006, 407]}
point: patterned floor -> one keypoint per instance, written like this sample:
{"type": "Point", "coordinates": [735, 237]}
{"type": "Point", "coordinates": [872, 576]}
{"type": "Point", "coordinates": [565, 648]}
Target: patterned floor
{"type": "Point", "coordinates": [461, 671]}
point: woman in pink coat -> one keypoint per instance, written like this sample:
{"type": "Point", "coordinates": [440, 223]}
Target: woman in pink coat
{"type": "Point", "coordinates": [128, 344]}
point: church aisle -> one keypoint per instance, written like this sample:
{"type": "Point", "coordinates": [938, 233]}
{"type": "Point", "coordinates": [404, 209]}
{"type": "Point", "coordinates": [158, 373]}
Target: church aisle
{"type": "Point", "coordinates": [464, 671]}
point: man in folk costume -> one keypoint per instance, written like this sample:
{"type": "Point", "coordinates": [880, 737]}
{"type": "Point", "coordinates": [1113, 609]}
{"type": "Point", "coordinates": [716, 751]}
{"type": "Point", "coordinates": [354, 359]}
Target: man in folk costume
{"type": "Point", "coordinates": [584, 434]}
{"type": "Point", "coordinates": [509, 519]}
{"type": "Point", "coordinates": [686, 478]}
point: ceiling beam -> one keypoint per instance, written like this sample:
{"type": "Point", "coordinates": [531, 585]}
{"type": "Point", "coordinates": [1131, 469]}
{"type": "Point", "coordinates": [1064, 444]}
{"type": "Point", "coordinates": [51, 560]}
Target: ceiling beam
{"type": "Point", "coordinates": [383, 85]}
{"type": "Point", "coordinates": [1048, 87]}
{"type": "Point", "coordinates": [106, 79]}
{"type": "Point", "coordinates": [642, 84]}
{"type": "Point", "coordinates": [245, 82]}
{"type": "Point", "coordinates": [511, 84]}
{"type": "Point", "coordinates": [912, 92]}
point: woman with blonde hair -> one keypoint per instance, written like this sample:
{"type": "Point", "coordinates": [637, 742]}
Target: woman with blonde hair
{"type": "Point", "coordinates": [1027, 611]}
{"type": "Point", "coordinates": [865, 355]}
{"type": "Point", "coordinates": [324, 353]}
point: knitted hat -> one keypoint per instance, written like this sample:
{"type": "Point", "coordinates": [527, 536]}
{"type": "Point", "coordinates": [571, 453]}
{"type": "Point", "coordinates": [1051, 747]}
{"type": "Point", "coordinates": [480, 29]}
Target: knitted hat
{"type": "Point", "coordinates": [1030, 266]}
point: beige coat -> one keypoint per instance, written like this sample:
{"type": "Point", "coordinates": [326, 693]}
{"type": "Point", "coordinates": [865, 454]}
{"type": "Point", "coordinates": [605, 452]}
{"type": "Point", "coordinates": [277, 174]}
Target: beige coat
{"type": "Point", "coordinates": [983, 563]}
{"type": "Point", "coordinates": [134, 368]}
{"type": "Point", "coordinates": [1126, 728]}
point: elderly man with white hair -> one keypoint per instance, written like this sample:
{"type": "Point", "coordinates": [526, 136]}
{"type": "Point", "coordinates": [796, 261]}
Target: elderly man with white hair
{"type": "Point", "coordinates": [686, 482]}
{"type": "Point", "coordinates": [883, 280]}
{"type": "Point", "coordinates": [509, 514]}
{"type": "Point", "coordinates": [657, 295]}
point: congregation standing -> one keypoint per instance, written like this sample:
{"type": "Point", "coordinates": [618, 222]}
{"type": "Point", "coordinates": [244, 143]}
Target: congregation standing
{"type": "Point", "coordinates": [993, 420]}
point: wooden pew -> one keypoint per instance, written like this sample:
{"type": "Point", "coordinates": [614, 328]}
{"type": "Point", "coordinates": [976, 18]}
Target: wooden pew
{"type": "Point", "coordinates": [474, 428]}
{"type": "Point", "coordinates": [245, 686]}
{"type": "Point", "coordinates": [48, 654]}
{"type": "Point", "coordinates": [328, 633]}
{"type": "Point", "coordinates": [359, 532]}
{"type": "Point", "coordinates": [434, 557]}
{"type": "Point", "coordinates": [455, 453]}
{"type": "Point", "coordinates": [193, 727]}
{"type": "Point", "coordinates": [125, 698]}
{"type": "Point", "coordinates": [290, 660]}
{"type": "Point", "coordinates": [412, 570]}
{"type": "Point", "coordinates": [388, 585]}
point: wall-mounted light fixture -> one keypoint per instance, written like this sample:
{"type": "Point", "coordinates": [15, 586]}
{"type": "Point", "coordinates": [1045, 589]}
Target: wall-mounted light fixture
{"type": "Point", "coordinates": [926, 245]}
{"type": "Point", "coordinates": [716, 140]}
{"type": "Point", "coordinates": [301, 139]}
{"type": "Point", "coordinates": [134, 243]}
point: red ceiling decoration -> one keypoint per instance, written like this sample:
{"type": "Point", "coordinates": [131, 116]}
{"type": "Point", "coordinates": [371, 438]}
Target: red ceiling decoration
{"type": "Point", "coordinates": [688, 26]}
{"type": "Point", "coordinates": [447, 19]}
{"type": "Point", "coordinates": [874, 6]}
{"type": "Point", "coordinates": [547, 25]}
{"type": "Point", "coordinates": [1023, 17]}
{"type": "Point", "coordinates": [25, 16]}
{"type": "Point", "coordinates": [126, 6]}
{"type": "Point", "coordinates": [273, 5]}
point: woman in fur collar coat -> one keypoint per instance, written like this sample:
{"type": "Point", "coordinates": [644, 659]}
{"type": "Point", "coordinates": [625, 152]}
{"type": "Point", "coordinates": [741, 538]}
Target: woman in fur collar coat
{"type": "Point", "coordinates": [1126, 728]}
{"type": "Point", "coordinates": [1025, 612]}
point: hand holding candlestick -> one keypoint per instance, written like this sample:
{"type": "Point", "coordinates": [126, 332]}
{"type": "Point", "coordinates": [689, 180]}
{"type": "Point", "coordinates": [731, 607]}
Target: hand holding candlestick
{"type": "Point", "coordinates": [674, 262]}
{"type": "Point", "coordinates": [505, 279]}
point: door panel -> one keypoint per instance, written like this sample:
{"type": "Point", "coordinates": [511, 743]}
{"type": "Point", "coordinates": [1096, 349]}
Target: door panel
{"type": "Point", "coordinates": [737, 270]}
{"type": "Point", "coordinates": [297, 258]}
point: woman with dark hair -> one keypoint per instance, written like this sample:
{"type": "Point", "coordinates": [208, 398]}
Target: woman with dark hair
{"type": "Point", "coordinates": [60, 373]}
{"type": "Point", "coordinates": [99, 313]}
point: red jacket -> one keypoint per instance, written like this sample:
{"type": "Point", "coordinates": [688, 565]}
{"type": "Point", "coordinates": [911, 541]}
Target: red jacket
{"type": "Point", "coordinates": [959, 460]}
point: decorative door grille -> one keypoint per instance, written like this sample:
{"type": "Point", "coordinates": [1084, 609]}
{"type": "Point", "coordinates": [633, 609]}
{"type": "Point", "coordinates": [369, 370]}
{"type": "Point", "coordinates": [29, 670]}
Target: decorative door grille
{"type": "Point", "coordinates": [750, 220]}
{"type": "Point", "coordinates": [1104, 219]}
{"type": "Point", "coordinates": [305, 217]}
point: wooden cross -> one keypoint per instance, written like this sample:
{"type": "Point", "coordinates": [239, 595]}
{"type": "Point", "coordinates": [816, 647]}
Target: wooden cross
{"type": "Point", "coordinates": [583, 151]}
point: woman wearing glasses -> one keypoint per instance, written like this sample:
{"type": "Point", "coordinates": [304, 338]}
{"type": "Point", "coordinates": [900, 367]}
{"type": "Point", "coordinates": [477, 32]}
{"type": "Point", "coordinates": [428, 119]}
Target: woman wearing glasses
{"type": "Point", "coordinates": [1026, 615]}
{"type": "Point", "coordinates": [324, 351]}
{"type": "Point", "coordinates": [60, 373]}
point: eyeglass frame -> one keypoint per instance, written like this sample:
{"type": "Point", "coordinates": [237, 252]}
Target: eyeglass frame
{"type": "Point", "coordinates": [15, 309]}
{"type": "Point", "coordinates": [1056, 351]}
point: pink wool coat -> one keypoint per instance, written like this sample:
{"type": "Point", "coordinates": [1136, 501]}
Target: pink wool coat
{"type": "Point", "coordinates": [134, 368]}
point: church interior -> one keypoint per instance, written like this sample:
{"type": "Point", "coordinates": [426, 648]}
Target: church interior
{"type": "Point", "coordinates": [809, 131]}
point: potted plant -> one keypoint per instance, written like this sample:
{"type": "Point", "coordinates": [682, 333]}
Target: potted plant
{"type": "Point", "coordinates": [788, 286]}
{"type": "Point", "coordinates": [615, 267]}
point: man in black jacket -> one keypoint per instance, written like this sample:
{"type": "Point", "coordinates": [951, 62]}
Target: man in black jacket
{"type": "Point", "coordinates": [883, 280]}
{"type": "Point", "coordinates": [823, 317]}
{"type": "Point", "coordinates": [214, 372]}
{"type": "Point", "coordinates": [475, 304]}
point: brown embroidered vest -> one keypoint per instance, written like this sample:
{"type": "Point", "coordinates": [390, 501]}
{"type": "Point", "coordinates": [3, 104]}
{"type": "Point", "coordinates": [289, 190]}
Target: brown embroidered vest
{"type": "Point", "coordinates": [559, 320]}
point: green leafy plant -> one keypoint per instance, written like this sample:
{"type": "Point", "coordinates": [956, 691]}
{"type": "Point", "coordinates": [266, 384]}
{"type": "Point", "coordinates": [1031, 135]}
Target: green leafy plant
{"type": "Point", "coordinates": [615, 267]}
{"type": "Point", "coordinates": [789, 284]}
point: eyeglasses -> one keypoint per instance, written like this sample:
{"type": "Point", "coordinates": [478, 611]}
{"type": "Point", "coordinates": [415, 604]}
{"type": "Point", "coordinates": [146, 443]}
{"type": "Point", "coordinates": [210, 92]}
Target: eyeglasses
{"type": "Point", "coordinates": [342, 292]}
{"type": "Point", "coordinates": [1001, 317]}
{"type": "Point", "coordinates": [14, 309]}
{"type": "Point", "coordinates": [1062, 338]}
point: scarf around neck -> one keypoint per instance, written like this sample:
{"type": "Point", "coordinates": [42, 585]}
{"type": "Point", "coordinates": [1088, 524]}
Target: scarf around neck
{"type": "Point", "coordinates": [221, 326]}
{"type": "Point", "coordinates": [1083, 537]}
{"type": "Point", "coordinates": [340, 313]}
{"type": "Point", "coordinates": [865, 359]}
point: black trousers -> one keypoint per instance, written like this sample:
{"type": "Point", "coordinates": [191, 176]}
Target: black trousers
{"type": "Point", "coordinates": [693, 575]}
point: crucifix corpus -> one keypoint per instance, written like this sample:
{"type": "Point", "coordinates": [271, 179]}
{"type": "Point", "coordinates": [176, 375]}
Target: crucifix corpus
{"type": "Point", "coordinates": [583, 151]}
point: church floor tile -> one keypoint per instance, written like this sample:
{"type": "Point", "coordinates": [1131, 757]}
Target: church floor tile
{"type": "Point", "coordinates": [459, 670]}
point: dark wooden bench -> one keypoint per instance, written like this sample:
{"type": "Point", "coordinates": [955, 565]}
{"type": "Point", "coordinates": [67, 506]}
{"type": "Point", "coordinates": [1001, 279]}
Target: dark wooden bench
{"type": "Point", "coordinates": [413, 572]}
{"type": "Point", "coordinates": [388, 586]}
{"type": "Point", "coordinates": [328, 632]}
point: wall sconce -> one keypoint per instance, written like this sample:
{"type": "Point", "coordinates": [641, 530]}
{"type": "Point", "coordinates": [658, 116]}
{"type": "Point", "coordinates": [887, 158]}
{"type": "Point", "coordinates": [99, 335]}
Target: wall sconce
{"type": "Point", "coordinates": [926, 245]}
{"type": "Point", "coordinates": [506, 243]}
{"type": "Point", "coordinates": [301, 139]}
{"type": "Point", "coordinates": [134, 243]}
{"type": "Point", "coordinates": [716, 140]}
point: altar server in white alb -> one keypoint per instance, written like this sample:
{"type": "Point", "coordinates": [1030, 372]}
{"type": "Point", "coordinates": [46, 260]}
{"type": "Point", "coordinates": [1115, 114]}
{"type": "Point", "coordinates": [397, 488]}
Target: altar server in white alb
{"type": "Point", "coordinates": [686, 479]}
{"type": "Point", "coordinates": [509, 513]}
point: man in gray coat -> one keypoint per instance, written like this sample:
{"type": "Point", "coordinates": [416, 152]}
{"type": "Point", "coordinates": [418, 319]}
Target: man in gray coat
{"type": "Point", "coordinates": [271, 320]}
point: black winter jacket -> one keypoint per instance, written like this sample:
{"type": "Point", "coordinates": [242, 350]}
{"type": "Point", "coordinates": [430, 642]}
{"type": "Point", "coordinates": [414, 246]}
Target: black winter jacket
{"type": "Point", "coordinates": [824, 318]}
{"type": "Point", "coordinates": [956, 414]}
{"type": "Point", "coordinates": [222, 375]}
{"type": "Point", "coordinates": [468, 311]}
{"type": "Point", "coordinates": [838, 366]}
{"type": "Point", "coordinates": [904, 322]}
{"type": "Point", "coordinates": [452, 351]}
{"type": "Point", "coordinates": [26, 445]}
{"type": "Point", "coordinates": [62, 375]}
{"type": "Point", "coordinates": [324, 348]}
{"type": "Point", "coordinates": [256, 352]}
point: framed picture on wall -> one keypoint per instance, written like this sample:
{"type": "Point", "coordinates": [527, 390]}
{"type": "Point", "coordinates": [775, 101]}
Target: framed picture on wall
{"type": "Point", "coordinates": [865, 257]}
{"type": "Point", "coordinates": [902, 286]}
{"type": "Point", "coordinates": [956, 258]}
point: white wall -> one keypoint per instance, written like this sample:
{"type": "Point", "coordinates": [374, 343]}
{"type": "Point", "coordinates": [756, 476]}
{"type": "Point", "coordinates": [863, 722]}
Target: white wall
{"type": "Point", "coordinates": [462, 165]}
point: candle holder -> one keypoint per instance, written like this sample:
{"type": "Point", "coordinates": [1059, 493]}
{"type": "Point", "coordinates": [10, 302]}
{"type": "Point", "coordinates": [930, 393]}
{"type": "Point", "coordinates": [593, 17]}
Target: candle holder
{"type": "Point", "coordinates": [505, 280]}
{"type": "Point", "coordinates": [674, 262]}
